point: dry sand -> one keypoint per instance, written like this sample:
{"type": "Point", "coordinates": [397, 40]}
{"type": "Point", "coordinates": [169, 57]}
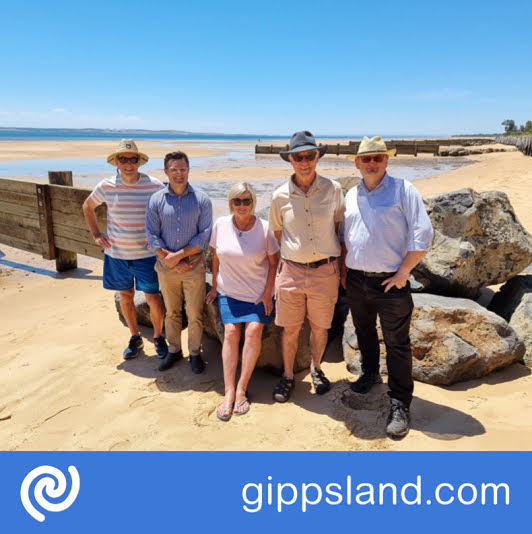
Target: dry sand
{"type": "Point", "coordinates": [65, 386]}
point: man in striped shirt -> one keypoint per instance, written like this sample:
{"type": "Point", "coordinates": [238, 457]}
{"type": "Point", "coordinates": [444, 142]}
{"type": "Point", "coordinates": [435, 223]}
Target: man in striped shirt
{"type": "Point", "coordinates": [128, 263]}
{"type": "Point", "coordinates": [179, 224]}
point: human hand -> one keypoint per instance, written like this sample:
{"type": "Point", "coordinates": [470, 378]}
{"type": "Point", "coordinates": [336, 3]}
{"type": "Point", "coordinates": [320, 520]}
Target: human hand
{"type": "Point", "coordinates": [211, 295]}
{"type": "Point", "coordinates": [183, 266]}
{"type": "Point", "coordinates": [399, 280]}
{"type": "Point", "coordinates": [102, 240]}
{"type": "Point", "coordinates": [267, 302]}
{"type": "Point", "coordinates": [172, 259]}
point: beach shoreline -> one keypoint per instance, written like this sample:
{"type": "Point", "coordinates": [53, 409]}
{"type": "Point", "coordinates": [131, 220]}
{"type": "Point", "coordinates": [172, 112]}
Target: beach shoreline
{"type": "Point", "coordinates": [66, 387]}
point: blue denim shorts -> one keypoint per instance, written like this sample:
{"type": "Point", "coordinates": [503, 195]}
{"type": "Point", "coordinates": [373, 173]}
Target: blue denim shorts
{"type": "Point", "coordinates": [237, 311]}
{"type": "Point", "coordinates": [121, 275]}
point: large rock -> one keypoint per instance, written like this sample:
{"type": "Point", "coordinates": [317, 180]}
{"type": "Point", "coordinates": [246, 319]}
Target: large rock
{"type": "Point", "coordinates": [452, 340]}
{"type": "Point", "coordinates": [513, 302]}
{"type": "Point", "coordinates": [478, 241]}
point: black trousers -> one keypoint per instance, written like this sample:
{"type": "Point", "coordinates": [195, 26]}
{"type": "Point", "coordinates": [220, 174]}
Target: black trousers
{"type": "Point", "coordinates": [367, 299]}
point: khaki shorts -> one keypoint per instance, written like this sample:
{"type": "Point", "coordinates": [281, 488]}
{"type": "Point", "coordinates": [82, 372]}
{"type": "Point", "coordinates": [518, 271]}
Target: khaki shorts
{"type": "Point", "coordinates": [299, 288]}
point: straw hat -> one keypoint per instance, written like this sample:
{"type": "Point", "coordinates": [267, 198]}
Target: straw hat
{"type": "Point", "coordinates": [301, 142]}
{"type": "Point", "coordinates": [369, 147]}
{"type": "Point", "coordinates": [127, 146]}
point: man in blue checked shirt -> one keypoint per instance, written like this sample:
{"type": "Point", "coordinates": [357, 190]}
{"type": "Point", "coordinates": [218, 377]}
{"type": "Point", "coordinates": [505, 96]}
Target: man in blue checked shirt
{"type": "Point", "coordinates": [178, 225]}
{"type": "Point", "coordinates": [387, 232]}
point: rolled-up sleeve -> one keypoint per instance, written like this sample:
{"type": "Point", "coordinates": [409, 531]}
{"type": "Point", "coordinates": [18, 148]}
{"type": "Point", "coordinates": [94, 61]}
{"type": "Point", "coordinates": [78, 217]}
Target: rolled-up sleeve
{"type": "Point", "coordinates": [419, 225]}
{"type": "Point", "coordinates": [153, 225]}
{"type": "Point", "coordinates": [201, 239]}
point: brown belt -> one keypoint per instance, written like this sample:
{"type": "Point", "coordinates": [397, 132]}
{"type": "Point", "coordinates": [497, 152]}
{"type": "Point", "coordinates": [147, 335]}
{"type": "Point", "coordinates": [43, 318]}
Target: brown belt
{"type": "Point", "coordinates": [315, 264]}
{"type": "Point", "coordinates": [373, 275]}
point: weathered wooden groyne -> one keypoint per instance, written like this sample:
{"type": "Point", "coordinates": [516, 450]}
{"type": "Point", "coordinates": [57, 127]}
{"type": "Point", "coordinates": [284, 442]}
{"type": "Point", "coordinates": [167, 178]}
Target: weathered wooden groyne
{"type": "Point", "coordinates": [403, 146]}
{"type": "Point", "coordinates": [523, 142]}
{"type": "Point", "coordinates": [47, 219]}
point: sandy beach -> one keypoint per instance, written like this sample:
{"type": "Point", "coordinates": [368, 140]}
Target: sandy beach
{"type": "Point", "coordinates": [65, 385]}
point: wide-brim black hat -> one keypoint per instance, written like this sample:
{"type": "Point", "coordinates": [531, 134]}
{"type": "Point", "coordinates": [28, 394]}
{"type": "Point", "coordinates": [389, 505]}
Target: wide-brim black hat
{"type": "Point", "coordinates": [300, 142]}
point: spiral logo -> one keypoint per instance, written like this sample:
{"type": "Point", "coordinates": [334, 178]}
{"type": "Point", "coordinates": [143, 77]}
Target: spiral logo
{"type": "Point", "coordinates": [48, 484]}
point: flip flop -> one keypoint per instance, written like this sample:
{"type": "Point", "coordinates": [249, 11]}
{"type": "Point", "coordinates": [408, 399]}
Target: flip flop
{"type": "Point", "coordinates": [226, 413]}
{"type": "Point", "coordinates": [236, 410]}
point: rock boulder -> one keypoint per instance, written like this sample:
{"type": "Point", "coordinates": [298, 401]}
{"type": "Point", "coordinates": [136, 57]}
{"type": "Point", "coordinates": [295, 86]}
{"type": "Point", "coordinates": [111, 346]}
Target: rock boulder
{"type": "Point", "coordinates": [513, 302]}
{"type": "Point", "coordinates": [452, 340]}
{"type": "Point", "coordinates": [478, 241]}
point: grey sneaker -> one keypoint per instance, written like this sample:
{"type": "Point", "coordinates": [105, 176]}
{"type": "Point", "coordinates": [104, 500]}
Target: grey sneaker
{"type": "Point", "coordinates": [398, 423]}
{"type": "Point", "coordinates": [365, 382]}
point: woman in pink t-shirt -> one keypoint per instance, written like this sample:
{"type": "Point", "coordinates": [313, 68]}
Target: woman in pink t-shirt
{"type": "Point", "coordinates": [245, 257]}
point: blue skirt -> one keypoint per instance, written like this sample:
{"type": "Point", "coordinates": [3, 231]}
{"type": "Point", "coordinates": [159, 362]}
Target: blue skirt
{"type": "Point", "coordinates": [237, 311]}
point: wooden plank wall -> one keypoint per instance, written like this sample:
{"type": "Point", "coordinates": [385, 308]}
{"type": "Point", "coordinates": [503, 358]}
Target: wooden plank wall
{"type": "Point", "coordinates": [19, 215]}
{"type": "Point", "coordinates": [403, 146]}
{"type": "Point", "coordinates": [23, 227]}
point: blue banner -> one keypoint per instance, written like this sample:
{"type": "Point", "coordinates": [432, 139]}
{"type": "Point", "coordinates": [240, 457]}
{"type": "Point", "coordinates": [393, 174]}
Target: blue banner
{"type": "Point", "coordinates": [133, 492]}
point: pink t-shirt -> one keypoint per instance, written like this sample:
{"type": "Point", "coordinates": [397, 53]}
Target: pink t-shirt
{"type": "Point", "coordinates": [243, 258]}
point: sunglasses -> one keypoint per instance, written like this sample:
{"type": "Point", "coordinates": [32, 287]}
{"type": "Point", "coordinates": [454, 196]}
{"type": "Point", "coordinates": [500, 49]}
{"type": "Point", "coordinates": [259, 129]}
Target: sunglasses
{"type": "Point", "coordinates": [238, 201]}
{"type": "Point", "coordinates": [132, 159]}
{"type": "Point", "coordinates": [309, 157]}
{"type": "Point", "coordinates": [376, 159]}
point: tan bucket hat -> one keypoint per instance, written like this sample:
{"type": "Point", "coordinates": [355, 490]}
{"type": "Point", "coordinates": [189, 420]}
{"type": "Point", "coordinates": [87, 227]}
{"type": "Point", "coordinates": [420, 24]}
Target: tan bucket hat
{"type": "Point", "coordinates": [127, 145]}
{"type": "Point", "coordinates": [369, 147]}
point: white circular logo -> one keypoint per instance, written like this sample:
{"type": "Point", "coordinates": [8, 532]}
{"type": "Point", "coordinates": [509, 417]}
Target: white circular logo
{"type": "Point", "coordinates": [48, 485]}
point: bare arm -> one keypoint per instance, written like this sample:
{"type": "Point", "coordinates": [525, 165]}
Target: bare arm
{"type": "Point", "coordinates": [100, 239]}
{"type": "Point", "coordinates": [211, 295]}
{"type": "Point", "coordinates": [343, 268]}
{"type": "Point", "coordinates": [278, 234]}
{"type": "Point", "coordinates": [266, 297]}
{"type": "Point", "coordinates": [400, 278]}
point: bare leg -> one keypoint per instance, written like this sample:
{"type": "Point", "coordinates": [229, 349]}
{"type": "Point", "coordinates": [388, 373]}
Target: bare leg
{"type": "Point", "coordinates": [250, 354]}
{"type": "Point", "coordinates": [289, 343]}
{"type": "Point", "coordinates": [318, 342]}
{"type": "Point", "coordinates": [127, 306]}
{"type": "Point", "coordinates": [230, 359]}
{"type": "Point", "coordinates": [156, 312]}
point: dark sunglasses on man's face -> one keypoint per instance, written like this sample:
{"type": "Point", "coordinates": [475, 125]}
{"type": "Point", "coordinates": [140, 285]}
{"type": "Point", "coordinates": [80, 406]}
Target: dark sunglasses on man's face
{"type": "Point", "coordinates": [132, 159]}
{"type": "Point", "coordinates": [245, 201]}
{"type": "Point", "coordinates": [376, 159]}
{"type": "Point", "coordinates": [307, 157]}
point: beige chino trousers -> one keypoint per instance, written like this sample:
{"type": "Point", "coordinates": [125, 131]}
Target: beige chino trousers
{"type": "Point", "coordinates": [190, 286]}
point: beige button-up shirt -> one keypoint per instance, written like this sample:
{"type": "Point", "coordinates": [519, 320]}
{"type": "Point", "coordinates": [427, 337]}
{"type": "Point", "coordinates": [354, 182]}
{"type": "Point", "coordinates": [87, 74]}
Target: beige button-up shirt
{"type": "Point", "coordinates": [307, 220]}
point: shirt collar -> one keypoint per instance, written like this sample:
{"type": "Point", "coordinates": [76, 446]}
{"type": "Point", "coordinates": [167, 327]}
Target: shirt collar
{"type": "Point", "coordinates": [294, 189]}
{"type": "Point", "coordinates": [385, 183]}
{"type": "Point", "coordinates": [168, 191]}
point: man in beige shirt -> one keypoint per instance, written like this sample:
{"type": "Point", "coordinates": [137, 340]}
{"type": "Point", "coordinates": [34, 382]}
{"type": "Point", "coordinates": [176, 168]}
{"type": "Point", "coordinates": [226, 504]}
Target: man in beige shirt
{"type": "Point", "coordinates": [305, 214]}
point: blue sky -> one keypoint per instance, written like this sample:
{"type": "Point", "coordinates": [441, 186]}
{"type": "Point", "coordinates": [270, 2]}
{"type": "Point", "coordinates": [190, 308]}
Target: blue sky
{"type": "Point", "coordinates": [344, 68]}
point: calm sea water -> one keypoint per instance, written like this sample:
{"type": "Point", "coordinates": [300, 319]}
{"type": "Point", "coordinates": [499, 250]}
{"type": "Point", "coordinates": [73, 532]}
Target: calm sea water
{"type": "Point", "coordinates": [65, 135]}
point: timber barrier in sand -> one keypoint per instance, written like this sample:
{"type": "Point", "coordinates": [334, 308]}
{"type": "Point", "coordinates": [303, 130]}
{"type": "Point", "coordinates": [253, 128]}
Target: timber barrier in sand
{"type": "Point", "coordinates": [523, 142]}
{"type": "Point", "coordinates": [404, 146]}
{"type": "Point", "coordinates": [48, 219]}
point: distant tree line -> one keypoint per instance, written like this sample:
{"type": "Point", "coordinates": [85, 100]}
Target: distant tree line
{"type": "Point", "coordinates": [510, 128]}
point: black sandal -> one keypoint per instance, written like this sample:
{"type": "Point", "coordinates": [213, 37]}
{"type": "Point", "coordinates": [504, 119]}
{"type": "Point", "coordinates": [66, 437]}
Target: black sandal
{"type": "Point", "coordinates": [283, 390]}
{"type": "Point", "coordinates": [320, 382]}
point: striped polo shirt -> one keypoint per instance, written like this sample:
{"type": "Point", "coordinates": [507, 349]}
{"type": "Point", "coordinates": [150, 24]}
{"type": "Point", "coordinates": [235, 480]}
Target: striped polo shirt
{"type": "Point", "coordinates": [126, 214]}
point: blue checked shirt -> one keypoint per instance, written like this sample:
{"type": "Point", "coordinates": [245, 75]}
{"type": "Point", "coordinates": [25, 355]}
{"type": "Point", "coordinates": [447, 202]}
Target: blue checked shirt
{"type": "Point", "coordinates": [175, 221]}
{"type": "Point", "coordinates": [382, 225]}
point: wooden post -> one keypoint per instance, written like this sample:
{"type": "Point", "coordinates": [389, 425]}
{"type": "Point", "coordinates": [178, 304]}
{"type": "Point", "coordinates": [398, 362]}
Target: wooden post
{"type": "Point", "coordinates": [45, 222]}
{"type": "Point", "coordinates": [64, 259]}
